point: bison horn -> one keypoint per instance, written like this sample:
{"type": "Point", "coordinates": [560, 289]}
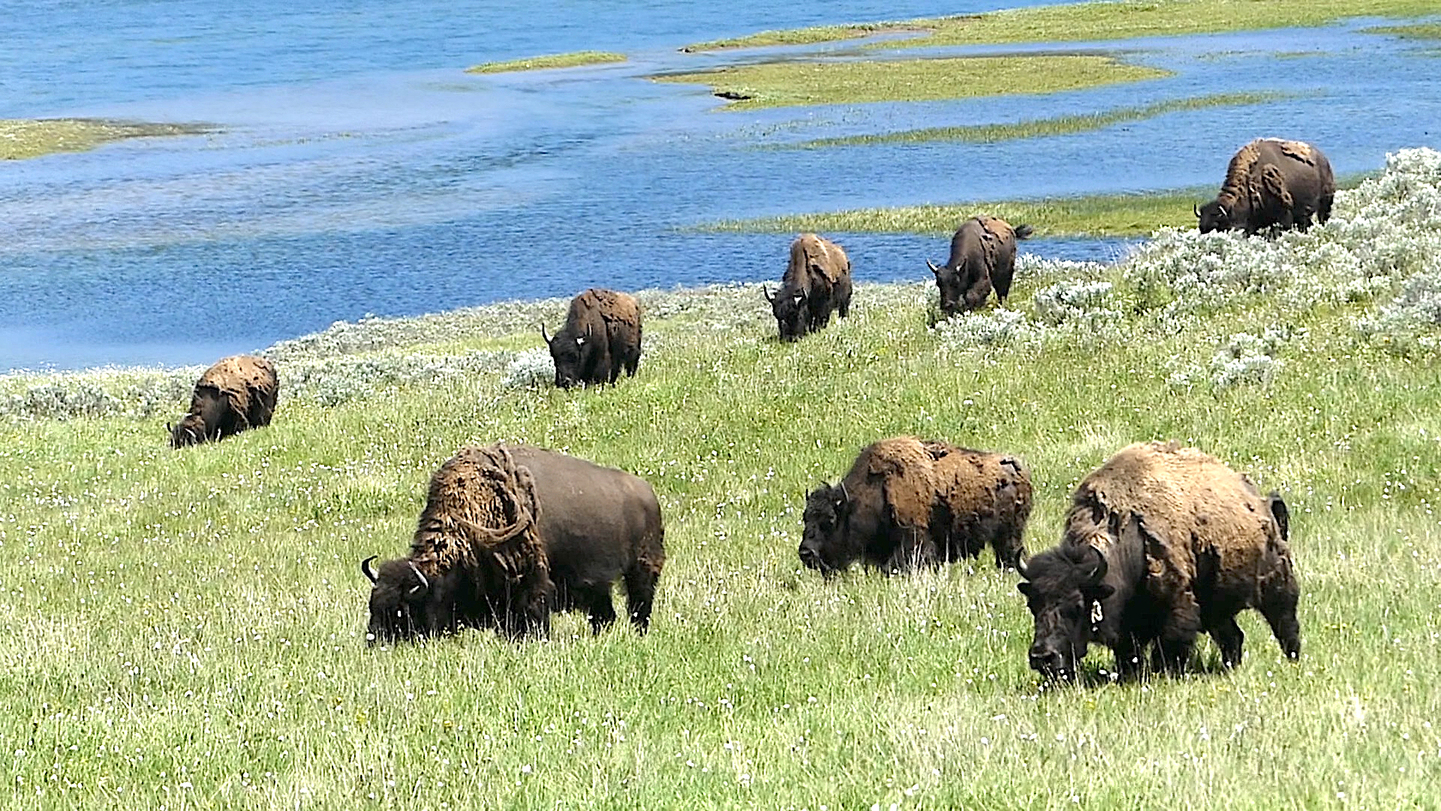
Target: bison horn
{"type": "Point", "coordinates": [1101, 566]}
{"type": "Point", "coordinates": [932, 266]}
{"type": "Point", "coordinates": [367, 571]}
{"type": "Point", "coordinates": [1222, 210]}
{"type": "Point", "coordinates": [424, 584]}
{"type": "Point", "coordinates": [766, 291]}
{"type": "Point", "coordinates": [543, 333]}
{"type": "Point", "coordinates": [1196, 210]}
{"type": "Point", "coordinates": [1021, 569]}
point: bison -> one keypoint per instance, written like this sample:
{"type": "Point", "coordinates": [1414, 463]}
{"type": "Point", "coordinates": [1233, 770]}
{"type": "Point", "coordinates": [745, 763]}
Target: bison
{"type": "Point", "coordinates": [1268, 183]}
{"type": "Point", "coordinates": [908, 503]}
{"type": "Point", "coordinates": [510, 534]}
{"type": "Point", "coordinates": [1160, 543]}
{"type": "Point", "coordinates": [235, 394]}
{"type": "Point", "coordinates": [983, 256]}
{"type": "Point", "coordinates": [817, 280]}
{"type": "Point", "coordinates": [601, 337]}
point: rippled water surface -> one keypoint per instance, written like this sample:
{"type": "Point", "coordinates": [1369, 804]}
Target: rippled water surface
{"type": "Point", "coordinates": [355, 168]}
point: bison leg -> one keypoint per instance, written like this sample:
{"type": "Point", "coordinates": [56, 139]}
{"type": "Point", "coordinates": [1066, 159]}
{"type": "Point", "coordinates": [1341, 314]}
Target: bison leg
{"type": "Point", "coordinates": [1228, 637]}
{"type": "Point", "coordinates": [1172, 650]}
{"type": "Point", "coordinates": [640, 582]}
{"type": "Point", "coordinates": [1128, 657]}
{"type": "Point", "coordinates": [1323, 208]}
{"type": "Point", "coordinates": [602, 609]}
{"type": "Point", "coordinates": [1009, 548]}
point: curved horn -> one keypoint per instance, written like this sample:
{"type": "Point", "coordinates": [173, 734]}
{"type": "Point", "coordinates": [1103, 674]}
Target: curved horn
{"type": "Point", "coordinates": [1101, 566]}
{"type": "Point", "coordinates": [424, 583]}
{"type": "Point", "coordinates": [845, 497]}
{"type": "Point", "coordinates": [1021, 569]}
{"type": "Point", "coordinates": [932, 266]}
{"type": "Point", "coordinates": [1195, 209]}
{"type": "Point", "coordinates": [766, 291]}
{"type": "Point", "coordinates": [1223, 211]}
{"type": "Point", "coordinates": [367, 571]}
{"type": "Point", "coordinates": [543, 333]}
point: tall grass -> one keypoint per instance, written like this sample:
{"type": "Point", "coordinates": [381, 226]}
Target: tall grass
{"type": "Point", "coordinates": [185, 628]}
{"type": "Point", "coordinates": [565, 60]}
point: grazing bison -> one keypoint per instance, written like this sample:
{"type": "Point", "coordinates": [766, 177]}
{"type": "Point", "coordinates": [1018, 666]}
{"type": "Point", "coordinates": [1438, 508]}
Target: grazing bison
{"type": "Point", "coordinates": [1269, 183]}
{"type": "Point", "coordinates": [1161, 542]}
{"type": "Point", "coordinates": [907, 503]}
{"type": "Point", "coordinates": [235, 394]}
{"type": "Point", "coordinates": [511, 533]}
{"type": "Point", "coordinates": [817, 280]}
{"type": "Point", "coordinates": [983, 256]}
{"type": "Point", "coordinates": [601, 337]}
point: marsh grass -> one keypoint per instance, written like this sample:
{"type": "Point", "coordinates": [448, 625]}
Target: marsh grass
{"type": "Point", "coordinates": [1045, 127]}
{"type": "Point", "coordinates": [1422, 31]}
{"type": "Point", "coordinates": [1095, 21]}
{"type": "Point", "coordinates": [783, 84]}
{"type": "Point", "coordinates": [185, 629]}
{"type": "Point", "coordinates": [565, 60]}
{"type": "Point", "coordinates": [32, 138]}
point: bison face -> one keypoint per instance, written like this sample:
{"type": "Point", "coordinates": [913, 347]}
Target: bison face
{"type": "Point", "coordinates": [399, 602]}
{"type": "Point", "coordinates": [1213, 217]}
{"type": "Point", "coordinates": [953, 293]}
{"type": "Point", "coordinates": [568, 351]}
{"type": "Point", "coordinates": [190, 431]}
{"type": "Point", "coordinates": [790, 310]}
{"type": "Point", "coordinates": [1064, 593]}
{"type": "Point", "coordinates": [824, 545]}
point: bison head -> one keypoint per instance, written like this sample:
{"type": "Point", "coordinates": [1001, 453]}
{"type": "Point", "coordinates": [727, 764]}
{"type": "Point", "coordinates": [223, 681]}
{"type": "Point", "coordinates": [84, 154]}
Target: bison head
{"type": "Point", "coordinates": [1064, 588]}
{"type": "Point", "coordinates": [190, 431]}
{"type": "Point", "coordinates": [568, 350]}
{"type": "Point", "coordinates": [953, 293]}
{"type": "Point", "coordinates": [825, 541]}
{"type": "Point", "coordinates": [790, 310]}
{"type": "Point", "coordinates": [1213, 216]}
{"type": "Point", "coordinates": [400, 602]}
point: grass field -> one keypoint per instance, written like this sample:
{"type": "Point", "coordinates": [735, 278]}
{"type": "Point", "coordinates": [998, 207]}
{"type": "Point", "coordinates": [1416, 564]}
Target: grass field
{"type": "Point", "coordinates": [1082, 22]}
{"type": "Point", "coordinates": [565, 60]}
{"type": "Point", "coordinates": [186, 628]}
{"type": "Point", "coordinates": [784, 84]}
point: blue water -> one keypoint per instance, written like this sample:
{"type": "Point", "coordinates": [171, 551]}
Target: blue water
{"type": "Point", "coordinates": [356, 169]}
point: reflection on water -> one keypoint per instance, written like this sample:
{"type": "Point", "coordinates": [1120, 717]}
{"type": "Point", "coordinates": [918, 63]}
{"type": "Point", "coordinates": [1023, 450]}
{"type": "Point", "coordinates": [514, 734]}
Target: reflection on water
{"type": "Point", "coordinates": [360, 171]}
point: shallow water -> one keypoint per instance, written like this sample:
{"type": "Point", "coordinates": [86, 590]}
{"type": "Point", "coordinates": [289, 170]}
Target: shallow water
{"type": "Point", "coordinates": [357, 170]}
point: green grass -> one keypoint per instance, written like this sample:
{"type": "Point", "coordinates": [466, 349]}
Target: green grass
{"type": "Point", "coordinates": [785, 84]}
{"type": "Point", "coordinates": [1096, 21]}
{"type": "Point", "coordinates": [1424, 31]}
{"type": "Point", "coordinates": [1047, 127]}
{"type": "Point", "coordinates": [565, 60]}
{"type": "Point", "coordinates": [32, 138]}
{"type": "Point", "coordinates": [1091, 215]}
{"type": "Point", "coordinates": [185, 628]}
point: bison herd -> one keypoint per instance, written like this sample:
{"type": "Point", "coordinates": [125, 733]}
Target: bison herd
{"type": "Point", "coordinates": [1160, 543]}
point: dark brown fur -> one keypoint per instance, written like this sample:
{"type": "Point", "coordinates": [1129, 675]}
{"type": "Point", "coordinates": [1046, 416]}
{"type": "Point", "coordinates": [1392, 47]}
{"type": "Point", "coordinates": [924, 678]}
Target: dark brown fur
{"type": "Point", "coordinates": [1161, 542]}
{"type": "Point", "coordinates": [1271, 183]}
{"type": "Point", "coordinates": [816, 283]}
{"type": "Point", "coordinates": [235, 394]}
{"type": "Point", "coordinates": [983, 257]}
{"type": "Point", "coordinates": [907, 503]}
{"type": "Point", "coordinates": [601, 338]}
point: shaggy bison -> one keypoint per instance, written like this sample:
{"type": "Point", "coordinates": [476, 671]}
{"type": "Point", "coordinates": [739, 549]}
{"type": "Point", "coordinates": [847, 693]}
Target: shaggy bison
{"type": "Point", "coordinates": [1268, 183]}
{"type": "Point", "coordinates": [817, 280]}
{"type": "Point", "coordinates": [512, 533]}
{"type": "Point", "coordinates": [601, 337]}
{"type": "Point", "coordinates": [907, 503]}
{"type": "Point", "coordinates": [235, 394]}
{"type": "Point", "coordinates": [1161, 542]}
{"type": "Point", "coordinates": [983, 256]}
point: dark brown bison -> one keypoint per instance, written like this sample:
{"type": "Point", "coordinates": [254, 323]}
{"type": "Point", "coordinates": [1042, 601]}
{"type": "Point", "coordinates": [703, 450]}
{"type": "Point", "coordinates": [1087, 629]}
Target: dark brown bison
{"type": "Point", "coordinates": [512, 533]}
{"type": "Point", "coordinates": [601, 337]}
{"type": "Point", "coordinates": [1269, 183]}
{"type": "Point", "coordinates": [908, 503]}
{"type": "Point", "coordinates": [817, 281]}
{"type": "Point", "coordinates": [235, 394]}
{"type": "Point", "coordinates": [1160, 543]}
{"type": "Point", "coordinates": [983, 257]}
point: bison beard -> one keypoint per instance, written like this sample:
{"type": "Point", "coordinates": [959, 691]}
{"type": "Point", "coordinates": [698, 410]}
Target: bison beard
{"type": "Point", "coordinates": [476, 559]}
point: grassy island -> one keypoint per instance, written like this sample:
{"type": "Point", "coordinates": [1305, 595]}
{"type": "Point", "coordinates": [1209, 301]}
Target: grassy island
{"type": "Point", "coordinates": [30, 138]}
{"type": "Point", "coordinates": [566, 60]}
